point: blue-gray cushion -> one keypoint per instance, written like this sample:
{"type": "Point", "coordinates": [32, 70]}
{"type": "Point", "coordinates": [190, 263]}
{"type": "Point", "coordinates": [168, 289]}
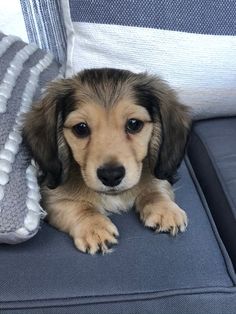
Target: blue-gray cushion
{"type": "Point", "coordinates": [212, 152]}
{"type": "Point", "coordinates": [146, 273]}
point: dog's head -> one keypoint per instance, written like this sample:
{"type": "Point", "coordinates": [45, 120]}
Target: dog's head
{"type": "Point", "coordinates": [108, 122]}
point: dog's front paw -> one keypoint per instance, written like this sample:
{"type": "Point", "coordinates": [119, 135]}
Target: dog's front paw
{"type": "Point", "coordinates": [94, 234]}
{"type": "Point", "coordinates": [164, 216]}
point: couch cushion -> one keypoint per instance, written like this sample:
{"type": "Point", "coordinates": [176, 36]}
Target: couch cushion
{"type": "Point", "coordinates": [212, 152]}
{"type": "Point", "coordinates": [146, 272]}
{"type": "Point", "coordinates": [191, 44]}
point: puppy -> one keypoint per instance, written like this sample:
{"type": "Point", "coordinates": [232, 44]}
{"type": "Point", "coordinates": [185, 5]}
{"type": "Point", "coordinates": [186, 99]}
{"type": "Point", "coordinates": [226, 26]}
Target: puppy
{"type": "Point", "coordinates": [106, 140]}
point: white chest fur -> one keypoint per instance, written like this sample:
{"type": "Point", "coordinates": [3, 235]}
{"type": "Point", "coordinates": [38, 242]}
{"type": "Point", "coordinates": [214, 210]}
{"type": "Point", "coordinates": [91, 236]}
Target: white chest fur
{"type": "Point", "coordinates": [116, 203]}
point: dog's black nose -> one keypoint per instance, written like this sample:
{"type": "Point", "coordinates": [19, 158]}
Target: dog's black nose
{"type": "Point", "coordinates": [111, 175]}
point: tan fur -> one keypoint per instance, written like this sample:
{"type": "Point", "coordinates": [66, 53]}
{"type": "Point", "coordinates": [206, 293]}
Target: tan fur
{"type": "Point", "coordinates": [78, 210]}
{"type": "Point", "coordinates": [108, 141]}
{"type": "Point", "coordinates": [158, 210]}
{"type": "Point", "coordinates": [80, 203]}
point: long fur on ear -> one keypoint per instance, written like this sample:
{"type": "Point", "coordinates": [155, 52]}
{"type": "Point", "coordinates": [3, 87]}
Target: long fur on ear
{"type": "Point", "coordinates": [171, 122]}
{"type": "Point", "coordinates": [175, 122]}
{"type": "Point", "coordinates": [43, 131]}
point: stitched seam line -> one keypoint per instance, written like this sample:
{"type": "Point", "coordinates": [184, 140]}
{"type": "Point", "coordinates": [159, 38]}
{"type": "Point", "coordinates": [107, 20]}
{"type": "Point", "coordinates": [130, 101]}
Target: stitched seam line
{"type": "Point", "coordinates": [217, 173]}
{"type": "Point", "coordinates": [131, 297]}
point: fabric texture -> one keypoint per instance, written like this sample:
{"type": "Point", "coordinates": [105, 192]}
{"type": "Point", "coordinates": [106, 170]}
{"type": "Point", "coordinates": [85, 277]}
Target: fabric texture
{"type": "Point", "coordinates": [24, 70]}
{"type": "Point", "coordinates": [192, 46]}
{"type": "Point", "coordinates": [44, 25]}
{"type": "Point", "coordinates": [146, 272]}
{"type": "Point", "coordinates": [215, 142]}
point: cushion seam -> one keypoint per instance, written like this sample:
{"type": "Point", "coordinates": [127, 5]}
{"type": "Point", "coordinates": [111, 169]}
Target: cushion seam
{"type": "Point", "coordinates": [210, 160]}
{"type": "Point", "coordinates": [218, 173]}
{"type": "Point", "coordinates": [136, 296]}
{"type": "Point", "coordinates": [226, 258]}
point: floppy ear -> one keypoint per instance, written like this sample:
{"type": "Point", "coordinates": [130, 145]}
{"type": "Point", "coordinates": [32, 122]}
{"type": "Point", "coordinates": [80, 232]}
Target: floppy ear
{"type": "Point", "coordinates": [43, 132]}
{"type": "Point", "coordinates": [171, 124]}
{"type": "Point", "coordinates": [175, 125]}
{"type": "Point", "coordinates": [170, 133]}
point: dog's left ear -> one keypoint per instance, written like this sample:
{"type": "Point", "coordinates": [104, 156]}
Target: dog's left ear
{"type": "Point", "coordinates": [171, 129]}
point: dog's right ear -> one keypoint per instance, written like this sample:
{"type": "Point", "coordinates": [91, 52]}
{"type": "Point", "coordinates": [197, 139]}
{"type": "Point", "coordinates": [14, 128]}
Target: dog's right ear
{"type": "Point", "coordinates": [42, 129]}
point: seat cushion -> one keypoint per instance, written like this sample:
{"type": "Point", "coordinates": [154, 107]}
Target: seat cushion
{"type": "Point", "coordinates": [146, 273]}
{"type": "Point", "coordinates": [212, 152]}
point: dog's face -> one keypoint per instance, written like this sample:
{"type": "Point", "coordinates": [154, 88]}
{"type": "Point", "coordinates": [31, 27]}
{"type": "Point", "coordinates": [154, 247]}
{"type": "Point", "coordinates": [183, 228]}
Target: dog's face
{"type": "Point", "coordinates": [109, 142]}
{"type": "Point", "coordinates": [109, 122]}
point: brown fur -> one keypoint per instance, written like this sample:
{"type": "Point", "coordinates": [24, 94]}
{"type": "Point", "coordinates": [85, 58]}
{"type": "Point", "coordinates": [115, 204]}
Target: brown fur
{"type": "Point", "coordinates": [105, 99]}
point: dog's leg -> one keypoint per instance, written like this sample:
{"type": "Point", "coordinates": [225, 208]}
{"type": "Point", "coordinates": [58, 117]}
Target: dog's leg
{"type": "Point", "coordinates": [158, 210]}
{"type": "Point", "coordinates": [92, 231]}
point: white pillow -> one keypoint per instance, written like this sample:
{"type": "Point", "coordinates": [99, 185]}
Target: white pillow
{"type": "Point", "coordinates": [190, 44]}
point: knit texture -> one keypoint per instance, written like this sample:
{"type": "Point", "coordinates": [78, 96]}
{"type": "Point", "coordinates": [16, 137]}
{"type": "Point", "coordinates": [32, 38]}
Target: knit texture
{"type": "Point", "coordinates": [24, 71]}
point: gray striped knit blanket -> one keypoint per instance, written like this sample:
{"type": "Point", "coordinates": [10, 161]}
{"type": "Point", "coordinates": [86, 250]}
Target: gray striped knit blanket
{"type": "Point", "coordinates": [24, 71]}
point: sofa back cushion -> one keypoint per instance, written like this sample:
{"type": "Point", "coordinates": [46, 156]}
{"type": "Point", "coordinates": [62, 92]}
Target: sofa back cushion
{"type": "Point", "coordinates": [191, 44]}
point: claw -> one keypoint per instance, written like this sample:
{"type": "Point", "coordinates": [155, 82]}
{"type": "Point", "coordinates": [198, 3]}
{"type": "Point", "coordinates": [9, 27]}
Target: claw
{"type": "Point", "coordinates": [88, 248]}
{"type": "Point", "coordinates": [109, 244]}
{"type": "Point", "coordinates": [158, 228]}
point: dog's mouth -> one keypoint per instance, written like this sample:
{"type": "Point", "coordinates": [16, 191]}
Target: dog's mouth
{"type": "Point", "coordinates": [111, 191]}
{"type": "Point", "coordinates": [114, 191]}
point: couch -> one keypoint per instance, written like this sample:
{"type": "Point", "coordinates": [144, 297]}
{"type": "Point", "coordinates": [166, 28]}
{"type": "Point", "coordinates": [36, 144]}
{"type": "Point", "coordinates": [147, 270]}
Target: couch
{"type": "Point", "coordinates": [193, 272]}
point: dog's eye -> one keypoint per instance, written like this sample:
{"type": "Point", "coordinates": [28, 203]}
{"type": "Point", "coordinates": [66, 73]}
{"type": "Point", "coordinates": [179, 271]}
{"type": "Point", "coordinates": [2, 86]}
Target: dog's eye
{"type": "Point", "coordinates": [81, 130]}
{"type": "Point", "coordinates": [134, 126]}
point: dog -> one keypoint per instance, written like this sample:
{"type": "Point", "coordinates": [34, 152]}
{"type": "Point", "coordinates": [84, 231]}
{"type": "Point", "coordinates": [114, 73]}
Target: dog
{"type": "Point", "coordinates": [107, 140]}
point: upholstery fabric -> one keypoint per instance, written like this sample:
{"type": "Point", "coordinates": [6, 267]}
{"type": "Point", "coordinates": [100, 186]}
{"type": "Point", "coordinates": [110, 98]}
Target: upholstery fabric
{"type": "Point", "coordinates": [196, 17]}
{"type": "Point", "coordinates": [24, 70]}
{"type": "Point", "coordinates": [212, 152]}
{"type": "Point", "coordinates": [189, 44]}
{"type": "Point", "coordinates": [146, 272]}
{"type": "Point", "coordinates": [44, 25]}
